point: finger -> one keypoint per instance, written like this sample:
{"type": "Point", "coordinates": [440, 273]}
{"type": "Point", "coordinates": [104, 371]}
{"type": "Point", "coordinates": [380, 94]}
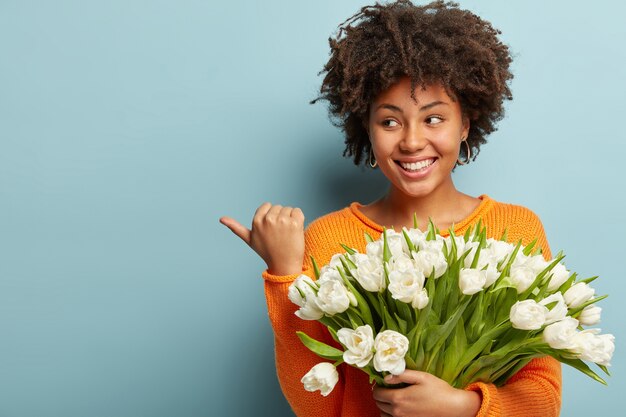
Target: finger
{"type": "Point", "coordinates": [408, 376]}
{"type": "Point", "coordinates": [262, 210]}
{"type": "Point", "coordinates": [273, 212]}
{"type": "Point", "coordinates": [385, 408]}
{"type": "Point", "coordinates": [297, 214]}
{"type": "Point", "coordinates": [286, 212]}
{"type": "Point", "coordinates": [382, 395]}
{"type": "Point", "coordinates": [237, 228]}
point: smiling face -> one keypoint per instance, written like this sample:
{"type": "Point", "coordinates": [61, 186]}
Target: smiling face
{"type": "Point", "coordinates": [416, 144]}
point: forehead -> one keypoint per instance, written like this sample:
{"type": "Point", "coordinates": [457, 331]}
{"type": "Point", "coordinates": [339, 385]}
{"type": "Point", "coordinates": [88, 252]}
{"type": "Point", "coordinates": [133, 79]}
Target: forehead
{"type": "Point", "coordinates": [400, 92]}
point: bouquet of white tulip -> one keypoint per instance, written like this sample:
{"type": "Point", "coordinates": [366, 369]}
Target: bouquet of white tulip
{"type": "Point", "coordinates": [464, 308]}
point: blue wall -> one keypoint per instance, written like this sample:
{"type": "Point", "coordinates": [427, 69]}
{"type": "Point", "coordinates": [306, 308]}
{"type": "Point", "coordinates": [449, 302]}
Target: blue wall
{"type": "Point", "coordinates": [127, 128]}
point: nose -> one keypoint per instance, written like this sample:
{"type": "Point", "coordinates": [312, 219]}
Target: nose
{"type": "Point", "coordinates": [414, 139]}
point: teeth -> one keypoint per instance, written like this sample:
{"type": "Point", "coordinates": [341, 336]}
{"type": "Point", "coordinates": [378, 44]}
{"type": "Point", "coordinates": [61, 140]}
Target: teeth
{"type": "Point", "coordinates": [416, 166]}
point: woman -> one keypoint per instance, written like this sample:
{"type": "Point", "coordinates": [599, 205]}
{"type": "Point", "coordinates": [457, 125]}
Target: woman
{"type": "Point", "coordinates": [416, 90]}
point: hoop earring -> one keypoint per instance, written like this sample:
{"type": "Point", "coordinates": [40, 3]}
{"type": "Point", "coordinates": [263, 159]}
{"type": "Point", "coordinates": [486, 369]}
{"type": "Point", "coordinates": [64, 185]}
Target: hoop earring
{"type": "Point", "coordinates": [372, 164]}
{"type": "Point", "coordinates": [468, 153]}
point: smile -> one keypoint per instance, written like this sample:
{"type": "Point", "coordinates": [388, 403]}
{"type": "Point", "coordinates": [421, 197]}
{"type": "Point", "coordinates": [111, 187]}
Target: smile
{"type": "Point", "coordinates": [416, 166]}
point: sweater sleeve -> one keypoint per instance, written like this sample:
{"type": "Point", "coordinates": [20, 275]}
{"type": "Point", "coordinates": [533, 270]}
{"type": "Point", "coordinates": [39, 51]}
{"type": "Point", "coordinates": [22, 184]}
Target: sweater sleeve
{"type": "Point", "coordinates": [536, 389]}
{"type": "Point", "coordinates": [293, 359]}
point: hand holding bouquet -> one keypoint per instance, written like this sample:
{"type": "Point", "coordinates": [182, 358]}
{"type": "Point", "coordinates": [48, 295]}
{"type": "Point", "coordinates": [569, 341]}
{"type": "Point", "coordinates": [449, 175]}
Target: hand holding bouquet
{"type": "Point", "coordinates": [463, 308]}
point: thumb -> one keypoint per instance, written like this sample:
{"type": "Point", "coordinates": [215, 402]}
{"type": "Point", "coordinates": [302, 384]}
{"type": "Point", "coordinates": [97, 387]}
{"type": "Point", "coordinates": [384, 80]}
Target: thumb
{"type": "Point", "coordinates": [237, 228]}
{"type": "Point", "coordinates": [408, 377]}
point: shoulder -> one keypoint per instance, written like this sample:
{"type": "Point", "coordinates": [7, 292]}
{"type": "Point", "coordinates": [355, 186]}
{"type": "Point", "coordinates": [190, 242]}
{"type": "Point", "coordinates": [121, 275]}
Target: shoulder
{"type": "Point", "coordinates": [514, 213]}
{"type": "Point", "coordinates": [327, 222]}
{"type": "Point", "coordinates": [518, 221]}
{"type": "Point", "coordinates": [324, 235]}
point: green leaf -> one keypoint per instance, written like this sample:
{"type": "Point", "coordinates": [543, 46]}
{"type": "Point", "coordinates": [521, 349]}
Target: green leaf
{"type": "Point", "coordinates": [567, 284]}
{"type": "Point", "coordinates": [315, 268]}
{"type": "Point", "coordinates": [386, 251]}
{"type": "Point", "coordinates": [589, 280]}
{"type": "Point", "coordinates": [390, 323]}
{"type": "Point", "coordinates": [368, 238]}
{"type": "Point", "coordinates": [320, 349]}
{"type": "Point", "coordinates": [582, 367]}
{"type": "Point", "coordinates": [441, 332]}
{"type": "Point", "coordinates": [467, 234]}
{"type": "Point", "coordinates": [577, 310]}
{"type": "Point", "coordinates": [529, 248]}
{"type": "Point", "coordinates": [362, 304]}
{"type": "Point", "coordinates": [604, 369]}
{"type": "Point", "coordinates": [504, 234]}
{"type": "Point", "coordinates": [432, 230]}
{"type": "Point", "coordinates": [348, 249]}
{"type": "Point", "coordinates": [402, 324]}
{"type": "Point", "coordinates": [410, 363]}
{"type": "Point", "coordinates": [408, 240]}
{"type": "Point", "coordinates": [539, 278]}
{"type": "Point", "coordinates": [415, 225]}
{"type": "Point", "coordinates": [347, 264]}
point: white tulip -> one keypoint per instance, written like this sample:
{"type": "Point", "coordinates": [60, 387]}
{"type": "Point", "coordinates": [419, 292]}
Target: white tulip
{"type": "Point", "coordinates": [433, 245]}
{"type": "Point", "coordinates": [322, 377]}
{"type": "Point", "coordinates": [426, 260]}
{"type": "Point", "coordinates": [559, 276]}
{"type": "Point", "coordinates": [401, 263]}
{"type": "Point", "coordinates": [578, 294]}
{"type": "Point", "coordinates": [369, 272]}
{"type": "Point", "coordinates": [536, 263]}
{"type": "Point", "coordinates": [394, 242]}
{"type": "Point", "coordinates": [483, 258]}
{"type": "Point", "coordinates": [491, 275]}
{"type": "Point", "coordinates": [406, 285]}
{"type": "Point", "coordinates": [390, 350]}
{"type": "Point", "coordinates": [499, 249]}
{"type": "Point", "coordinates": [472, 280]}
{"type": "Point", "coordinates": [462, 246]}
{"type": "Point", "coordinates": [420, 300]}
{"type": "Point", "coordinates": [335, 260]}
{"type": "Point", "coordinates": [359, 344]}
{"type": "Point", "coordinates": [558, 311]}
{"type": "Point", "coordinates": [396, 246]}
{"type": "Point", "coordinates": [522, 277]}
{"type": "Point", "coordinates": [528, 315]}
{"type": "Point", "coordinates": [590, 315]}
{"type": "Point", "coordinates": [333, 297]}
{"type": "Point", "coordinates": [328, 273]}
{"type": "Point", "coordinates": [520, 259]}
{"type": "Point", "coordinates": [560, 335]}
{"type": "Point", "coordinates": [302, 293]}
{"type": "Point", "coordinates": [594, 347]}
{"type": "Point", "coordinates": [416, 236]}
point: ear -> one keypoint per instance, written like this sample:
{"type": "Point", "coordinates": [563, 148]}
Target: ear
{"type": "Point", "coordinates": [466, 127]}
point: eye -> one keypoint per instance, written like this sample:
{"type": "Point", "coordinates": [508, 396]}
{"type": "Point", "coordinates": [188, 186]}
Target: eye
{"type": "Point", "coordinates": [390, 123]}
{"type": "Point", "coordinates": [434, 120]}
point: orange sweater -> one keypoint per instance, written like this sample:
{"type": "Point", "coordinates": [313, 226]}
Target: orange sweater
{"type": "Point", "coordinates": [534, 391]}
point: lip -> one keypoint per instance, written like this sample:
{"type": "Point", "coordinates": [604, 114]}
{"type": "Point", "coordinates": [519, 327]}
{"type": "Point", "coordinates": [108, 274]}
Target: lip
{"type": "Point", "coordinates": [418, 174]}
{"type": "Point", "coordinates": [415, 159]}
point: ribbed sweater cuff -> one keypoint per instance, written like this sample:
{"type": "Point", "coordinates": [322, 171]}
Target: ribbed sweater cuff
{"type": "Point", "coordinates": [280, 279]}
{"type": "Point", "coordinates": [489, 406]}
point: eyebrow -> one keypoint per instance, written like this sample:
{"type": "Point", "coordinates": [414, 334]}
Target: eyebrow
{"type": "Point", "coordinates": [398, 109]}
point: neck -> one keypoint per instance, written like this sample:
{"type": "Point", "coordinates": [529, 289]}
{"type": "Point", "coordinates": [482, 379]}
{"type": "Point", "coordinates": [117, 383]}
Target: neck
{"type": "Point", "coordinates": [443, 206]}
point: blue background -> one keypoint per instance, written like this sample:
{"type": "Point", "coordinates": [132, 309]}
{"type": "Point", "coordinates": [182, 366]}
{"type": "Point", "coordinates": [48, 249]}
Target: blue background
{"type": "Point", "coordinates": [127, 128]}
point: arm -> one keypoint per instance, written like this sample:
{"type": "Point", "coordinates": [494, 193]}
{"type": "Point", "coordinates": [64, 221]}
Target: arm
{"type": "Point", "coordinates": [293, 359]}
{"type": "Point", "coordinates": [277, 236]}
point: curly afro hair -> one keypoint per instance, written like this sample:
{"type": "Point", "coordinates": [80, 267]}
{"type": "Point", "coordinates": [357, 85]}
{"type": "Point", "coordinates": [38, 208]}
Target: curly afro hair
{"type": "Point", "coordinates": [434, 43]}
